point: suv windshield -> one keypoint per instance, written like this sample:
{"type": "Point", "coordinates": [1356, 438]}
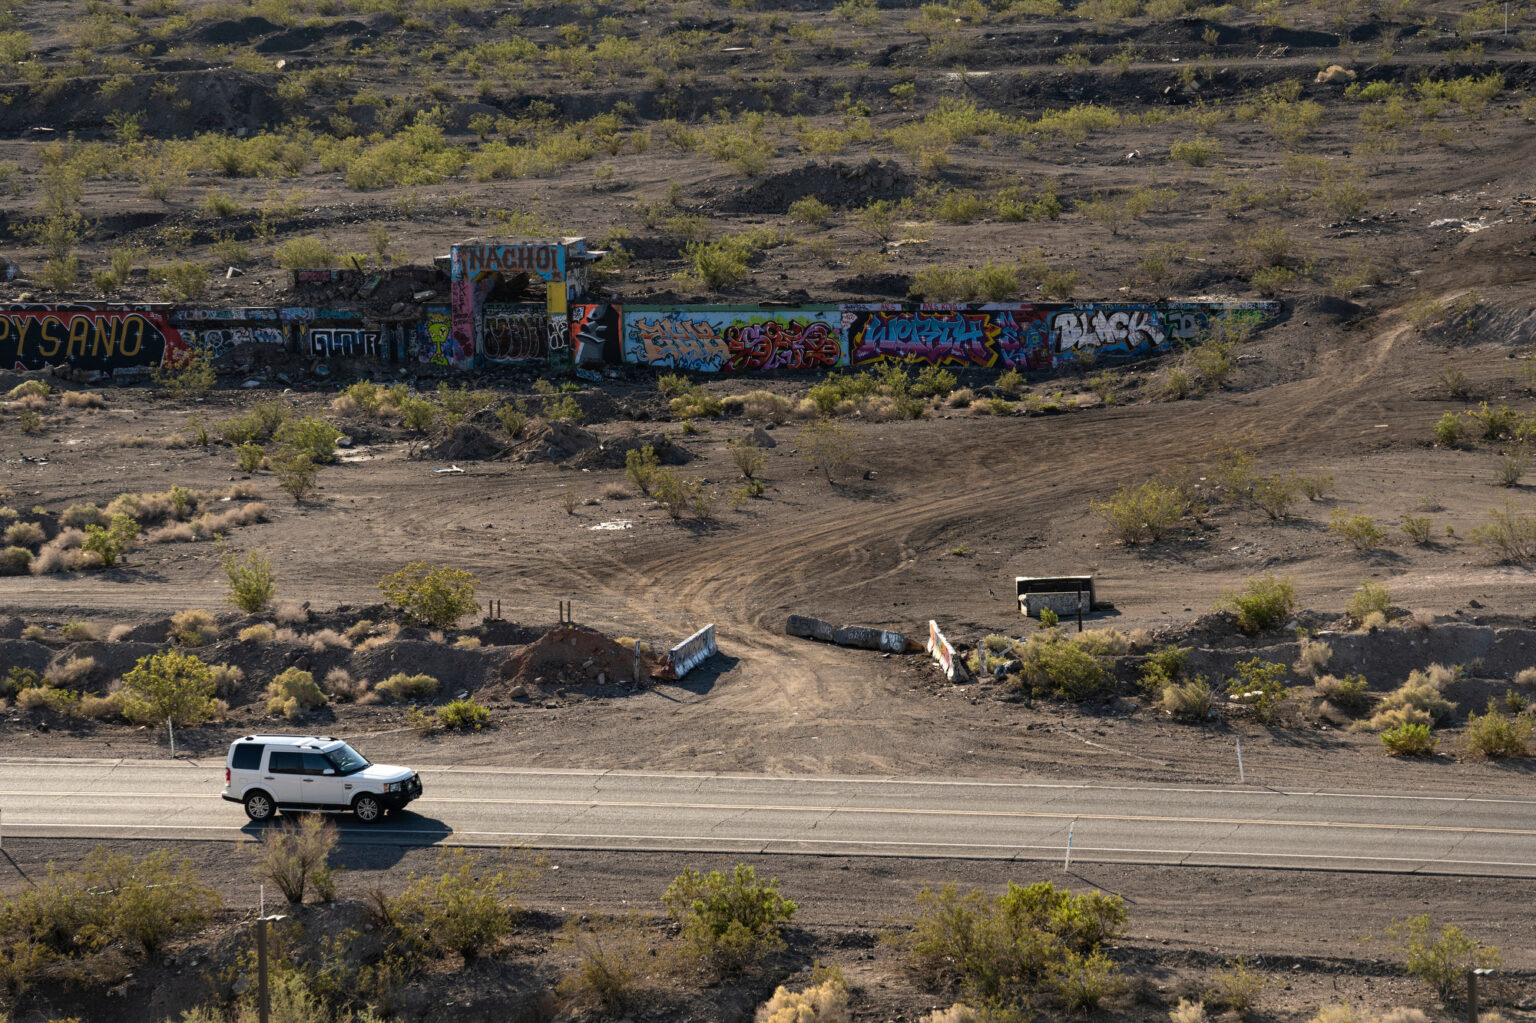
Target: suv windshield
{"type": "Point", "coordinates": [347, 759]}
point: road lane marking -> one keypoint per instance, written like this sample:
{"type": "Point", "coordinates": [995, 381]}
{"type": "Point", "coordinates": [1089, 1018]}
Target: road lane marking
{"type": "Point", "coordinates": [1063, 815]}
{"type": "Point", "coordinates": [463, 770]}
{"type": "Point", "coordinates": [374, 836]}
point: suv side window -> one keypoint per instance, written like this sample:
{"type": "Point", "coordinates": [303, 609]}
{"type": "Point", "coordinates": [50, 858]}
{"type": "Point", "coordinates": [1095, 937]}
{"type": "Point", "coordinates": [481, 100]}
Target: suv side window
{"type": "Point", "coordinates": [282, 762]}
{"type": "Point", "coordinates": [317, 763]}
{"type": "Point", "coordinates": [247, 756]}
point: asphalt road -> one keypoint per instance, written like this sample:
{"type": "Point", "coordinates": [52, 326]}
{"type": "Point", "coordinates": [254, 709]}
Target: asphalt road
{"type": "Point", "coordinates": [1189, 825]}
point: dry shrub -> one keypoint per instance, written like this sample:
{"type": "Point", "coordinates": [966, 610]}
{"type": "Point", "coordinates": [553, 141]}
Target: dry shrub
{"type": "Point", "coordinates": [119, 633]}
{"type": "Point", "coordinates": [245, 491]}
{"type": "Point", "coordinates": [1418, 701]}
{"type": "Point", "coordinates": [1103, 642]}
{"type": "Point", "coordinates": [360, 630]}
{"type": "Point", "coordinates": [227, 679]}
{"type": "Point", "coordinates": [31, 402]}
{"type": "Point", "coordinates": [261, 632]}
{"type": "Point", "coordinates": [826, 1002]}
{"type": "Point", "coordinates": [24, 534]}
{"type": "Point", "coordinates": [615, 492]}
{"type": "Point", "coordinates": [287, 637]}
{"type": "Point", "coordinates": [15, 561]}
{"type": "Point", "coordinates": [288, 613]}
{"type": "Point", "coordinates": [1188, 1011]}
{"type": "Point", "coordinates": [83, 399]}
{"type": "Point", "coordinates": [340, 684]}
{"type": "Point", "coordinates": [193, 627]}
{"type": "Point", "coordinates": [1334, 1014]}
{"type": "Point", "coordinates": [961, 398]}
{"type": "Point", "coordinates": [614, 957]}
{"type": "Point", "coordinates": [102, 708]}
{"type": "Point", "coordinates": [63, 554]}
{"type": "Point", "coordinates": [1525, 677]}
{"type": "Point", "coordinates": [385, 636]}
{"type": "Point", "coordinates": [1349, 693]}
{"type": "Point", "coordinates": [34, 633]}
{"type": "Point", "coordinates": [467, 643]}
{"type": "Point", "coordinates": [1141, 639]}
{"type": "Point", "coordinates": [81, 515]}
{"type": "Point", "coordinates": [1313, 657]}
{"type": "Point", "coordinates": [957, 1013]}
{"type": "Point", "coordinates": [1404, 1014]}
{"type": "Point", "coordinates": [175, 532]}
{"type": "Point", "coordinates": [208, 524]}
{"type": "Point", "coordinates": [71, 672]}
{"type": "Point", "coordinates": [324, 639]}
{"type": "Point", "coordinates": [1187, 701]}
{"type": "Point", "coordinates": [81, 632]}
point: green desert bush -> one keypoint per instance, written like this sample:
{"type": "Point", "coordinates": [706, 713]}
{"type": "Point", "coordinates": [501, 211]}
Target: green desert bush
{"type": "Point", "coordinates": [1001, 949]}
{"type": "Point", "coordinates": [1350, 693]}
{"type": "Point", "coordinates": [426, 595]}
{"type": "Point", "coordinates": [1144, 513]}
{"type": "Point", "coordinates": [1261, 685]}
{"type": "Point", "coordinates": [1497, 735]}
{"type": "Point", "coordinates": [252, 582]}
{"type": "Point", "coordinates": [169, 684]}
{"type": "Point", "coordinates": [1369, 600]}
{"type": "Point", "coordinates": [1441, 959]}
{"type": "Point", "coordinates": [293, 693]}
{"type": "Point", "coordinates": [1264, 602]}
{"type": "Point", "coordinates": [1162, 668]}
{"type": "Point", "coordinates": [1359, 530]}
{"type": "Point", "coordinates": [193, 627]}
{"type": "Point", "coordinates": [295, 855]}
{"type": "Point", "coordinates": [1055, 665]}
{"type": "Point", "coordinates": [466, 906]}
{"type": "Point", "coordinates": [1509, 534]}
{"type": "Point", "coordinates": [729, 921]}
{"type": "Point", "coordinates": [403, 688]}
{"type": "Point", "coordinates": [463, 715]}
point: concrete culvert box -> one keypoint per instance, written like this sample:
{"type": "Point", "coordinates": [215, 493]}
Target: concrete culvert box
{"type": "Point", "coordinates": [1061, 593]}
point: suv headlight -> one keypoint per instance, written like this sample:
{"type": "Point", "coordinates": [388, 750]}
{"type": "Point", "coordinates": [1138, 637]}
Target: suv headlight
{"type": "Point", "coordinates": [394, 786]}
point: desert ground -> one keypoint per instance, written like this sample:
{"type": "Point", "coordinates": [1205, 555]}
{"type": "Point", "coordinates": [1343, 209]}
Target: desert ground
{"type": "Point", "coordinates": [1190, 151]}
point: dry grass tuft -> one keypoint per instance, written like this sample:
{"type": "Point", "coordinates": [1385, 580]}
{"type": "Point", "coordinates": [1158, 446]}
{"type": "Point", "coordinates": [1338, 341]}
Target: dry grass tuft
{"type": "Point", "coordinates": [1418, 701]}
{"type": "Point", "coordinates": [1313, 657]}
{"type": "Point", "coordinates": [193, 627]}
{"type": "Point", "coordinates": [467, 643]}
{"type": "Point", "coordinates": [326, 639]}
{"type": "Point", "coordinates": [340, 684]}
{"type": "Point", "coordinates": [70, 673]}
{"type": "Point", "coordinates": [1525, 677]}
{"type": "Point", "coordinates": [288, 613]}
{"type": "Point", "coordinates": [119, 633]}
{"type": "Point", "coordinates": [615, 492]}
{"type": "Point", "coordinates": [261, 632]}
{"type": "Point", "coordinates": [227, 679]}
{"type": "Point", "coordinates": [83, 399]}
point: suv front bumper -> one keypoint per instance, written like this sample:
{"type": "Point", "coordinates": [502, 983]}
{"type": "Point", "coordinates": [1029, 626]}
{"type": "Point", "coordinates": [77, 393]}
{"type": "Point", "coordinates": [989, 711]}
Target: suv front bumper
{"type": "Point", "coordinates": [398, 800]}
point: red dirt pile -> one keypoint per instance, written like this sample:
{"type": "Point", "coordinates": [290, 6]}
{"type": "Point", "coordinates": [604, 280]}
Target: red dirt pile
{"type": "Point", "coordinates": [572, 655]}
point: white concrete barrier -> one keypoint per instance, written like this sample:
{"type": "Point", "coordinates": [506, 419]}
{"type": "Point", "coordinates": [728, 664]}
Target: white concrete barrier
{"type": "Point", "coordinates": [690, 653]}
{"type": "Point", "coordinates": [944, 653]}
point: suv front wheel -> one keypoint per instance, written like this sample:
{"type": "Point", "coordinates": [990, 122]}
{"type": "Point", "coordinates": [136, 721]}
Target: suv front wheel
{"type": "Point", "coordinates": [259, 806]}
{"type": "Point", "coordinates": [367, 808]}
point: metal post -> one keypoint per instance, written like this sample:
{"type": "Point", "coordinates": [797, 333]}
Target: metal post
{"type": "Point", "coordinates": [170, 727]}
{"type": "Point", "coordinates": [1079, 610]}
{"type": "Point", "coordinates": [263, 1008]}
{"type": "Point", "coordinates": [1067, 865]}
{"type": "Point", "coordinates": [1472, 996]}
{"type": "Point", "coordinates": [2, 830]}
{"type": "Point", "coordinates": [1241, 778]}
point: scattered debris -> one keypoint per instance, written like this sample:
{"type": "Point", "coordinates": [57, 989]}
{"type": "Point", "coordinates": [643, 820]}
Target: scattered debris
{"type": "Point", "coordinates": [451, 468]}
{"type": "Point", "coordinates": [857, 636]}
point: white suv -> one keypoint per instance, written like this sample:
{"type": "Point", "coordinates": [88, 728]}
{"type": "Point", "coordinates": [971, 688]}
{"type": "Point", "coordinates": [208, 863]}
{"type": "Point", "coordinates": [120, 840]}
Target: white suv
{"type": "Point", "coordinates": [269, 773]}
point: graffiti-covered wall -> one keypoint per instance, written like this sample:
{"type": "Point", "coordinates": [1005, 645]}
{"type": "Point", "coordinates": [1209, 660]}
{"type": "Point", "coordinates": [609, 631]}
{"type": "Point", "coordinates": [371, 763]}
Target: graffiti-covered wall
{"type": "Point", "coordinates": [125, 342]}
{"type": "Point", "coordinates": [1001, 335]}
{"type": "Point", "coordinates": [122, 341]}
{"type": "Point", "coordinates": [734, 340]}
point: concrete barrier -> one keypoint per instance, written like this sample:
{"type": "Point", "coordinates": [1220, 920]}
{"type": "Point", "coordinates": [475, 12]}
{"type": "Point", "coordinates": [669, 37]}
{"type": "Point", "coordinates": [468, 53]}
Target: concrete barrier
{"type": "Point", "coordinates": [944, 653]}
{"type": "Point", "coordinates": [859, 636]}
{"type": "Point", "coordinates": [690, 653]}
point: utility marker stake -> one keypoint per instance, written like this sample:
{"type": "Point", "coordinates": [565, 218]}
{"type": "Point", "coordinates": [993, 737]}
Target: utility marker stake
{"type": "Point", "coordinates": [171, 729]}
{"type": "Point", "coordinates": [1067, 865]}
{"type": "Point", "coordinates": [1241, 778]}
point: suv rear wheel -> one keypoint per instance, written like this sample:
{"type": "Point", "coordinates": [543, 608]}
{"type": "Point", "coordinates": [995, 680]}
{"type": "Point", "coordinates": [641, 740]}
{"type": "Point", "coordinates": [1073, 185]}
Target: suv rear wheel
{"type": "Point", "coordinates": [367, 808]}
{"type": "Point", "coordinates": [259, 806]}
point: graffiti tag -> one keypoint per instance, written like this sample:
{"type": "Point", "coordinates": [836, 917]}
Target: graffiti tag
{"type": "Point", "coordinates": [788, 344]}
{"type": "Point", "coordinates": [952, 337]}
{"type": "Point", "coordinates": [103, 340]}
{"type": "Point", "coordinates": [342, 343]}
{"type": "Point", "coordinates": [548, 261]}
{"type": "Point", "coordinates": [1121, 331]}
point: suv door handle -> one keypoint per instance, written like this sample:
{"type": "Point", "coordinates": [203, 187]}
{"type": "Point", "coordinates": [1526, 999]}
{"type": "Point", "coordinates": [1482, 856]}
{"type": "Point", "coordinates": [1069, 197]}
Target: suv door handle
{"type": "Point", "coordinates": [268, 777]}
{"type": "Point", "coordinates": [308, 780]}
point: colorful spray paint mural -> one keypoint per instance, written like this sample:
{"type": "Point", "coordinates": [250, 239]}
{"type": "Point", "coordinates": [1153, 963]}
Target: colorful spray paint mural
{"type": "Point", "coordinates": [597, 333]}
{"type": "Point", "coordinates": [433, 340]}
{"type": "Point", "coordinates": [734, 340]}
{"type": "Point", "coordinates": [122, 342]}
{"type": "Point", "coordinates": [981, 336]}
{"type": "Point", "coordinates": [482, 331]}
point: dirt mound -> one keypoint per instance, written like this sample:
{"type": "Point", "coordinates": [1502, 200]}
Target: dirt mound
{"type": "Point", "coordinates": [572, 655]}
{"type": "Point", "coordinates": [611, 452]}
{"type": "Point", "coordinates": [557, 441]}
{"type": "Point", "coordinates": [467, 443]}
{"type": "Point", "coordinates": [838, 184]}
{"type": "Point", "coordinates": [237, 30]}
